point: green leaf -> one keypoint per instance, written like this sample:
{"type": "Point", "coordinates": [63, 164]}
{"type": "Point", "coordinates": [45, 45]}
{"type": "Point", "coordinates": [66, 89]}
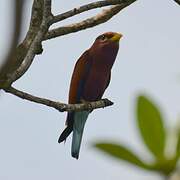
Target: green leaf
{"type": "Point", "coordinates": [151, 126]}
{"type": "Point", "coordinates": [120, 152]}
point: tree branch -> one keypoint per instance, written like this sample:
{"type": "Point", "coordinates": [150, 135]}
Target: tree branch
{"type": "Point", "coordinates": [46, 19]}
{"type": "Point", "coordinates": [100, 18]}
{"type": "Point", "coordinates": [21, 51]}
{"type": "Point", "coordinates": [35, 22]}
{"type": "Point", "coordinates": [57, 105]}
{"type": "Point", "coordinates": [88, 7]}
{"type": "Point", "coordinates": [177, 1]}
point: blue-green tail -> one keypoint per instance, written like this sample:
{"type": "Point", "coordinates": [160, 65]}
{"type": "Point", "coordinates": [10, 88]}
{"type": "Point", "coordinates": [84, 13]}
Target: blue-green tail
{"type": "Point", "coordinates": [78, 127]}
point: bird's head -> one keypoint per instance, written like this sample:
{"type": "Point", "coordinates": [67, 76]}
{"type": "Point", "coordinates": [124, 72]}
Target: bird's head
{"type": "Point", "coordinates": [109, 37]}
{"type": "Point", "coordinates": [106, 42]}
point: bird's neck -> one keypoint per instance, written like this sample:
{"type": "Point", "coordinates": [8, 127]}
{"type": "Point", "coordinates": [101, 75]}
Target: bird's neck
{"type": "Point", "coordinates": [104, 59]}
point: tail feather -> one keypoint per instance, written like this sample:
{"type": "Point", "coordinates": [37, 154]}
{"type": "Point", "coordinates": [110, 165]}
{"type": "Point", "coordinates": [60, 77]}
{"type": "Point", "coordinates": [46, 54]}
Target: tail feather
{"type": "Point", "coordinates": [78, 127]}
{"type": "Point", "coordinates": [67, 131]}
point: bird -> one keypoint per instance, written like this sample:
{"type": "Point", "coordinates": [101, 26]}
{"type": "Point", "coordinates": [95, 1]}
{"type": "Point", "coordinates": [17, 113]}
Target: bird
{"type": "Point", "coordinates": [90, 78]}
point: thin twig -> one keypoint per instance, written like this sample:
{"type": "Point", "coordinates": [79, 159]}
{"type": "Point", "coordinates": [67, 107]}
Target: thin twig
{"type": "Point", "coordinates": [100, 18]}
{"type": "Point", "coordinates": [57, 105]}
{"type": "Point", "coordinates": [85, 8]}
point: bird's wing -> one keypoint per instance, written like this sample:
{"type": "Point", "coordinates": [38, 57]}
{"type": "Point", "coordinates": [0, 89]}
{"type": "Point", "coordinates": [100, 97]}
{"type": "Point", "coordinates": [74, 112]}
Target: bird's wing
{"type": "Point", "coordinates": [78, 80]}
{"type": "Point", "coordinates": [79, 77]}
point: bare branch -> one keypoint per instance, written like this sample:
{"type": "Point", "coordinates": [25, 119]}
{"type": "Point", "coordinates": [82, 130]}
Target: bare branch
{"type": "Point", "coordinates": [21, 50]}
{"type": "Point", "coordinates": [177, 1]}
{"type": "Point", "coordinates": [100, 18]}
{"type": "Point", "coordinates": [47, 9]}
{"type": "Point", "coordinates": [47, 16]}
{"type": "Point", "coordinates": [60, 106]}
{"type": "Point", "coordinates": [29, 56]}
{"type": "Point", "coordinates": [35, 22]}
{"type": "Point", "coordinates": [87, 7]}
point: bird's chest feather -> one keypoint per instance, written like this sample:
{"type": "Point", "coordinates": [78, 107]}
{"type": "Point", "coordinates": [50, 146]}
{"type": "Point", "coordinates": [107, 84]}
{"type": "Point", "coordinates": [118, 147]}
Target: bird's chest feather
{"type": "Point", "coordinates": [96, 82]}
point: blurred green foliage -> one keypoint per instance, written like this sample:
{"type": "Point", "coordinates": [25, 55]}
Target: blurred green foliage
{"type": "Point", "coordinates": [151, 126]}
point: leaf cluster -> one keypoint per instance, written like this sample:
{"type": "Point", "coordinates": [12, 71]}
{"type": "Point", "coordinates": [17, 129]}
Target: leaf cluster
{"type": "Point", "coordinates": [152, 130]}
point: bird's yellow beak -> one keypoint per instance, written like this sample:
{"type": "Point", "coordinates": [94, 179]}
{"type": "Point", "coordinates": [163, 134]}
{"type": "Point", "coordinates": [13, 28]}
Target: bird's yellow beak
{"type": "Point", "coordinates": [116, 37]}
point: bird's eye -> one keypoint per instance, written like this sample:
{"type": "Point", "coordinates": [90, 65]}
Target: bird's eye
{"type": "Point", "coordinates": [103, 37]}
